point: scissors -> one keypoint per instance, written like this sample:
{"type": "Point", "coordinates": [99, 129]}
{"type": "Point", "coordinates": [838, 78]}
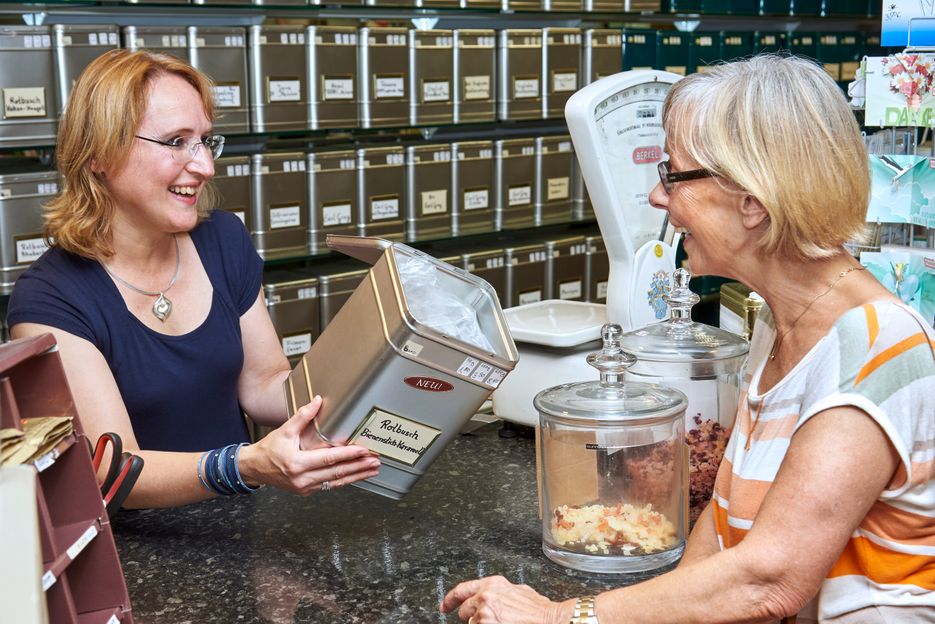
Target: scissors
{"type": "Point", "coordinates": [122, 472]}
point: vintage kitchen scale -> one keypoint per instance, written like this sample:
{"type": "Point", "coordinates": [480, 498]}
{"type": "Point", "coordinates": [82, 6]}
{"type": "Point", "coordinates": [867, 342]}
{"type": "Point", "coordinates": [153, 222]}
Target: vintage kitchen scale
{"type": "Point", "coordinates": [616, 127]}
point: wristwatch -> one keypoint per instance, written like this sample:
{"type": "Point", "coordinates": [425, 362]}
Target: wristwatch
{"type": "Point", "coordinates": [584, 611]}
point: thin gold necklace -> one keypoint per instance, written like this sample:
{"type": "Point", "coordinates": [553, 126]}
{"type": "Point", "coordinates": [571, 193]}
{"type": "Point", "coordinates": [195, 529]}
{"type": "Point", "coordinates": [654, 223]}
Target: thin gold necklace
{"type": "Point", "coordinates": [780, 337]}
{"type": "Point", "coordinates": [162, 307]}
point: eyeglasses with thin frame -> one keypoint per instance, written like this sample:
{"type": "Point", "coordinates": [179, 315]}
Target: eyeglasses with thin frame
{"type": "Point", "coordinates": [669, 178]}
{"type": "Point", "coordinates": [184, 150]}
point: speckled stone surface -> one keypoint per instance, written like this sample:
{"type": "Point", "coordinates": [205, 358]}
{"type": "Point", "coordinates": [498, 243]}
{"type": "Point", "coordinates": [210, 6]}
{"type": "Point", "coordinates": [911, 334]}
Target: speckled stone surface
{"type": "Point", "coordinates": [348, 556]}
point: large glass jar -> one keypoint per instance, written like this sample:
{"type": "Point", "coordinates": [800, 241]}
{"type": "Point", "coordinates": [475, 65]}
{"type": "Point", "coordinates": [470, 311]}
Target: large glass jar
{"type": "Point", "coordinates": [613, 469]}
{"type": "Point", "coordinates": [705, 363]}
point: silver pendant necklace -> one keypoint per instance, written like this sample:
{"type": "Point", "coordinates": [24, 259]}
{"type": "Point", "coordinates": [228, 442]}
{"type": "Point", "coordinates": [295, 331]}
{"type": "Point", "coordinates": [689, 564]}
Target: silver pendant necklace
{"type": "Point", "coordinates": [162, 307]}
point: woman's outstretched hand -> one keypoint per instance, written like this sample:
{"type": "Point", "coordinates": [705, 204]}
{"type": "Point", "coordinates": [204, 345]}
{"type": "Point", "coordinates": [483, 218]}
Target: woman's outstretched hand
{"type": "Point", "coordinates": [279, 461]}
{"type": "Point", "coordinates": [495, 600]}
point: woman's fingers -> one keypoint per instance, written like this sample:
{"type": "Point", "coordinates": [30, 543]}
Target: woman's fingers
{"type": "Point", "coordinates": [302, 417]}
{"type": "Point", "coordinates": [494, 600]}
{"type": "Point", "coordinates": [461, 592]}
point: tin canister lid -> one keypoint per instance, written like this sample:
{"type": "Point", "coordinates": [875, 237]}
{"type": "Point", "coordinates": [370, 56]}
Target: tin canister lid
{"type": "Point", "coordinates": [610, 400]}
{"type": "Point", "coordinates": [679, 339]}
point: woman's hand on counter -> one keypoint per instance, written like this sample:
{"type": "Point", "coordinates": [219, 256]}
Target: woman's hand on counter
{"type": "Point", "coordinates": [278, 459]}
{"type": "Point", "coordinates": [495, 600]}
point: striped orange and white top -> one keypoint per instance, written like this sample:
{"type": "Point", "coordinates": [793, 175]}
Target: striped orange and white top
{"type": "Point", "coordinates": [879, 358]}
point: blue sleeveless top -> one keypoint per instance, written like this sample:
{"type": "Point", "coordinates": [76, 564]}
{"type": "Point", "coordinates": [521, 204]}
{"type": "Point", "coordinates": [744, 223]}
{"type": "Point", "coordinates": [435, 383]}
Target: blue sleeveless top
{"type": "Point", "coordinates": [180, 391]}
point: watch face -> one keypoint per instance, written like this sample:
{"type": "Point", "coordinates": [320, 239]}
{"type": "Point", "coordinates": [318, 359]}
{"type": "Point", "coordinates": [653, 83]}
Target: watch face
{"type": "Point", "coordinates": [631, 139]}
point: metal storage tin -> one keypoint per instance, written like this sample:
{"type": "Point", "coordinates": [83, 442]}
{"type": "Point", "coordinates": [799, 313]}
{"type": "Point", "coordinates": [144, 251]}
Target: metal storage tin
{"type": "Point", "coordinates": [335, 287]}
{"type": "Point", "coordinates": [567, 268]}
{"type": "Point", "coordinates": [75, 47]}
{"type": "Point", "coordinates": [555, 172]}
{"type": "Point", "coordinates": [224, 2]}
{"type": "Point", "coordinates": [391, 3]}
{"type": "Point", "coordinates": [598, 269]}
{"type": "Point", "coordinates": [736, 45]}
{"type": "Point", "coordinates": [804, 44]}
{"type": "Point", "coordinates": [280, 2]}
{"type": "Point", "coordinates": [520, 5]}
{"type": "Point", "coordinates": [21, 242]}
{"type": "Point", "coordinates": [383, 70]}
{"type": "Point", "coordinates": [429, 191]}
{"type": "Point", "coordinates": [561, 68]}
{"type": "Point", "coordinates": [427, 385]}
{"type": "Point", "coordinates": [232, 181]}
{"type": "Point", "coordinates": [515, 183]}
{"type": "Point", "coordinates": [653, 6]}
{"type": "Point", "coordinates": [431, 74]}
{"type": "Point", "coordinates": [673, 51]}
{"type": "Point", "coordinates": [603, 5]}
{"type": "Point", "coordinates": [280, 204]}
{"type": "Point", "coordinates": [292, 302]}
{"type": "Point", "coordinates": [473, 201]}
{"type": "Point", "coordinates": [705, 50]}
{"type": "Point", "coordinates": [489, 265]}
{"type": "Point", "coordinates": [428, 4]}
{"type": "Point", "coordinates": [221, 53]}
{"type": "Point", "coordinates": [526, 274]}
{"type": "Point", "coordinates": [29, 111]}
{"type": "Point", "coordinates": [519, 95]}
{"type": "Point", "coordinates": [475, 53]}
{"type": "Point", "coordinates": [335, 208]}
{"type": "Point", "coordinates": [278, 77]}
{"type": "Point", "coordinates": [602, 54]}
{"type": "Point", "coordinates": [171, 40]}
{"type": "Point", "coordinates": [481, 4]}
{"type": "Point", "coordinates": [639, 49]}
{"type": "Point", "coordinates": [332, 81]}
{"type": "Point", "coordinates": [768, 41]}
{"type": "Point", "coordinates": [828, 44]}
{"type": "Point", "coordinates": [381, 192]}
{"type": "Point", "coordinates": [561, 5]}
{"type": "Point", "coordinates": [739, 308]}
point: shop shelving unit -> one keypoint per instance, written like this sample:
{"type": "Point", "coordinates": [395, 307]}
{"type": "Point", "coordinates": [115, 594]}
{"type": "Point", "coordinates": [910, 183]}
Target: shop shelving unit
{"type": "Point", "coordinates": [82, 577]}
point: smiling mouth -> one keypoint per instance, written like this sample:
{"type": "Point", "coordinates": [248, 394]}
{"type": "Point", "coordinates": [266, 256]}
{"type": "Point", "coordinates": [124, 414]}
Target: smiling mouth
{"type": "Point", "coordinates": [184, 191]}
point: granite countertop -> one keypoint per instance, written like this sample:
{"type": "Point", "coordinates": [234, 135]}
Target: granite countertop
{"type": "Point", "coordinates": [349, 555]}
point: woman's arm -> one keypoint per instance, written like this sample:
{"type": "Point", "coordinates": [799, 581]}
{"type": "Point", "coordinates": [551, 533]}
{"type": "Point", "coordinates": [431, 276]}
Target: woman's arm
{"type": "Point", "coordinates": [837, 465]}
{"type": "Point", "coordinates": [265, 368]}
{"type": "Point", "coordinates": [702, 543]}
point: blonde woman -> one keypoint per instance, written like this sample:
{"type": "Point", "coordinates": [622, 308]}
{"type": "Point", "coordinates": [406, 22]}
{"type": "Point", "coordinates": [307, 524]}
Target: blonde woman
{"type": "Point", "coordinates": [824, 505]}
{"type": "Point", "coordinates": [155, 301]}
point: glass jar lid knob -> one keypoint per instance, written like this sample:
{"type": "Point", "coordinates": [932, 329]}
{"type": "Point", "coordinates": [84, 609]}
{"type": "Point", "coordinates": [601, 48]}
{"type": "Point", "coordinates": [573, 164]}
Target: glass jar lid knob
{"type": "Point", "coordinates": [611, 360]}
{"type": "Point", "coordinates": [681, 299]}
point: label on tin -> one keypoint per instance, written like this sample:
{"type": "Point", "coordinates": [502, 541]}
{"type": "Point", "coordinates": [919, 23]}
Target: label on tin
{"type": "Point", "coordinates": [227, 95]}
{"type": "Point", "coordinates": [477, 87]}
{"type": "Point", "coordinates": [519, 195]}
{"type": "Point", "coordinates": [477, 199]}
{"type": "Point", "coordinates": [531, 296]}
{"type": "Point", "coordinates": [286, 216]}
{"type": "Point", "coordinates": [525, 88]}
{"type": "Point", "coordinates": [434, 202]}
{"type": "Point", "coordinates": [564, 82]}
{"type": "Point", "coordinates": [387, 208]}
{"type": "Point", "coordinates": [386, 87]}
{"type": "Point", "coordinates": [336, 214]}
{"type": "Point", "coordinates": [29, 249]}
{"type": "Point", "coordinates": [436, 91]}
{"type": "Point", "coordinates": [602, 290]}
{"type": "Point", "coordinates": [296, 344]}
{"type": "Point", "coordinates": [557, 188]}
{"type": "Point", "coordinates": [570, 290]}
{"type": "Point", "coordinates": [394, 436]}
{"type": "Point", "coordinates": [23, 102]}
{"type": "Point", "coordinates": [285, 90]}
{"type": "Point", "coordinates": [338, 89]}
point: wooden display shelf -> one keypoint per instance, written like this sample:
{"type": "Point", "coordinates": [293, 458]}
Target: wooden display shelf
{"type": "Point", "coordinates": [81, 575]}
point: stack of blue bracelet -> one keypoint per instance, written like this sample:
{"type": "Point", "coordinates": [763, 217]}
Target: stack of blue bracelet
{"type": "Point", "coordinates": [219, 473]}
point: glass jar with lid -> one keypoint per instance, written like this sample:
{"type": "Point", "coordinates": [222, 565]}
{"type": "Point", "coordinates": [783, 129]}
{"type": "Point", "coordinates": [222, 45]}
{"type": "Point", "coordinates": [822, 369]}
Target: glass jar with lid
{"type": "Point", "coordinates": [614, 469]}
{"type": "Point", "coordinates": [706, 364]}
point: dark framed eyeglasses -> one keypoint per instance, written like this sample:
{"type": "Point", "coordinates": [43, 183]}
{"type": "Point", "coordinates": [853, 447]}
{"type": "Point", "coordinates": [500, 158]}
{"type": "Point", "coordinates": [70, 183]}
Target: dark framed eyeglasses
{"type": "Point", "coordinates": [669, 178]}
{"type": "Point", "coordinates": [184, 150]}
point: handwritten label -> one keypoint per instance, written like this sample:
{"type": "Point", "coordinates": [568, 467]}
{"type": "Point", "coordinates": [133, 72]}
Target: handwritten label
{"type": "Point", "coordinates": [386, 87]}
{"type": "Point", "coordinates": [602, 290]}
{"type": "Point", "coordinates": [287, 216]}
{"type": "Point", "coordinates": [467, 366]}
{"type": "Point", "coordinates": [240, 215]}
{"type": "Point", "coordinates": [524, 88]}
{"type": "Point", "coordinates": [338, 89]}
{"type": "Point", "coordinates": [435, 202]}
{"type": "Point", "coordinates": [395, 437]}
{"type": "Point", "coordinates": [48, 580]}
{"type": "Point", "coordinates": [297, 344]}
{"type": "Point", "coordinates": [335, 214]}
{"type": "Point", "coordinates": [436, 91]}
{"type": "Point", "coordinates": [519, 195]}
{"type": "Point", "coordinates": [477, 87]}
{"type": "Point", "coordinates": [564, 82]}
{"type": "Point", "coordinates": [495, 377]}
{"type": "Point", "coordinates": [557, 188]}
{"type": "Point", "coordinates": [477, 199]}
{"type": "Point", "coordinates": [82, 541]}
{"type": "Point", "coordinates": [23, 102]}
{"type": "Point", "coordinates": [531, 296]}
{"type": "Point", "coordinates": [387, 208]}
{"type": "Point", "coordinates": [285, 90]}
{"type": "Point", "coordinates": [482, 371]}
{"type": "Point", "coordinates": [29, 249]}
{"type": "Point", "coordinates": [570, 290]}
{"type": "Point", "coordinates": [227, 95]}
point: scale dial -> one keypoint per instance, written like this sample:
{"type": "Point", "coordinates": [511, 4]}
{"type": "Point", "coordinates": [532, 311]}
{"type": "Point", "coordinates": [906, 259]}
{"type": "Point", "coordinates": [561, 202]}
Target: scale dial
{"type": "Point", "coordinates": [631, 139]}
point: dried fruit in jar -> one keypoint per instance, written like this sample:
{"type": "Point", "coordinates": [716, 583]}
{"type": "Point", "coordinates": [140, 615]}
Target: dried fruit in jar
{"type": "Point", "coordinates": [621, 529]}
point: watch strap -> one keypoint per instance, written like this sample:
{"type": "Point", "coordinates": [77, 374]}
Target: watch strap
{"type": "Point", "coordinates": [584, 611]}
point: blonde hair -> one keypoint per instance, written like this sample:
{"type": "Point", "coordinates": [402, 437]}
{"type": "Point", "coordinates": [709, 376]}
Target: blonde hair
{"type": "Point", "coordinates": [104, 110]}
{"type": "Point", "coordinates": [779, 128]}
